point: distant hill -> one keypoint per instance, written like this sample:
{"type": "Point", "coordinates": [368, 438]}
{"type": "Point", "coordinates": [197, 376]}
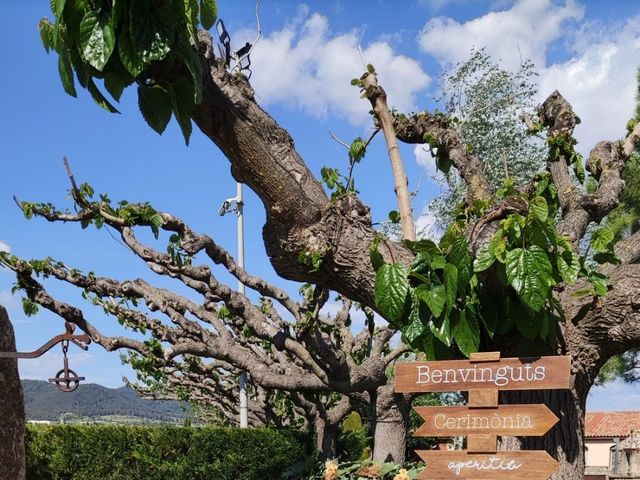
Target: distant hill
{"type": "Point", "coordinates": [44, 401]}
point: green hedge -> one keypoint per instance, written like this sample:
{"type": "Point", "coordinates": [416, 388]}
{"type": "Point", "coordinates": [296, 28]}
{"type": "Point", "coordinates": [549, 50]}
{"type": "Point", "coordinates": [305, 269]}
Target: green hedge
{"type": "Point", "coordinates": [97, 452]}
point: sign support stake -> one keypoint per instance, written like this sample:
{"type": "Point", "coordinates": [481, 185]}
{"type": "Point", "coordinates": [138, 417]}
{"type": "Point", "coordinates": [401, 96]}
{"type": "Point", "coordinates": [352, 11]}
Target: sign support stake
{"type": "Point", "coordinates": [486, 399]}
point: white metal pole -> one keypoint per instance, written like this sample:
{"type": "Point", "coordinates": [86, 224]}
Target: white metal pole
{"type": "Point", "coordinates": [244, 402]}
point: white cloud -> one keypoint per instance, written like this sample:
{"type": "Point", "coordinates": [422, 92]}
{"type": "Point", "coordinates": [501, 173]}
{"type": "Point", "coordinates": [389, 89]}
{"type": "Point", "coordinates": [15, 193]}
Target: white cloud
{"type": "Point", "coordinates": [599, 81]}
{"type": "Point", "coordinates": [427, 225]}
{"type": "Point", "coordinates": [8, 300]}
{"type": "Point", "coordinates": [522, 32]}
{"type": "Point", "coordinates": [425, 159]}
{"type": "Point", "coordinates": [4, 247]}
{"type": "Point", "coordinates": [305, 66]}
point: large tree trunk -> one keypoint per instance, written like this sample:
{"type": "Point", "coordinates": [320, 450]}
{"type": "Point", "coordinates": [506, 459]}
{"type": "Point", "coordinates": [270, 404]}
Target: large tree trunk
{"type": "Point", "coordinates": [326, 439]}
{"type": "Point", "coordinates": [593, 332]}
{"type": "Point", "coordinates": [12, 429]}
{"type": "Point", "coordinates": [392, 422]}
{"type": "Point", "coordinates": [565, 442]}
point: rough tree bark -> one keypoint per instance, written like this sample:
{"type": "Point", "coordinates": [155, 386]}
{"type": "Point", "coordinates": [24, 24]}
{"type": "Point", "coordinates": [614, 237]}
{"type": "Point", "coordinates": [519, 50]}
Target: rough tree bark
{"type": "Point", "coordinates": [12, 420]}
{"type": "Point", "coordinates": [326, 424]}
{"type": "Point", "coordinates": [392, 423]}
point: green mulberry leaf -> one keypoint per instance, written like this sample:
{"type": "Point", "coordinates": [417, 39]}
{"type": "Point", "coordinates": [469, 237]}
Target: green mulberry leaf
{"type": "Point", "coordinates": [97, 39]}
{"type": "Point", "coordinates": [602, 239]}
{"type": "Point", "coordinates": [208, 13]}
{"type": "Point", "coordinates": [539, 209]}
{"type": "Point", "coordinates": [415, 327]}
{"type": "Point", "coordinates": [391, 289]}
{"type": "Point", "coordinates": [66, 73]}
{"type": "Point", "coordinates": [434, 297]}
{"type": "Point", "coordinates": [155, 106]}
{"type": "Point", "coordinates": [568, 263]}
{"type": "Point", "coordinates": [450, 285]}
{"type": "Point", "coordinates": [530, 273]}
{"type": "Point", "coordinates": [466, 333]}
{"type": "Point", "coordinates": [484, 259]}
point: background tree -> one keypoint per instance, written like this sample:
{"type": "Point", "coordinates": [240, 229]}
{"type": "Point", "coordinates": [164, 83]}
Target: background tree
{"type": "Point", "coordinates": [507, 274]}
{"type": "Point", "coordinates": [488, 103]}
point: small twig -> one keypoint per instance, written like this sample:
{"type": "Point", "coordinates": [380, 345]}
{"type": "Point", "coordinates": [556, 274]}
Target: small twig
{"type": "Point", "coordinates": [117, 240]}
{"type": "Point", "coordinates": [520, 54]}
{"type": "Point", "coordinates": [414, 194]}
{"type": "Point", "coordinates": [259, 28]}
{"type": "Point", "coordinates": [375, 132]}
{"type": "Point", "coordinates": [352, 163]}
{"type": "Point", "coordinates": [341, 142]}
{"type": "Point", "coordinates": [364, 64]}
{"type": "Point", "coordinates": [75, 191]}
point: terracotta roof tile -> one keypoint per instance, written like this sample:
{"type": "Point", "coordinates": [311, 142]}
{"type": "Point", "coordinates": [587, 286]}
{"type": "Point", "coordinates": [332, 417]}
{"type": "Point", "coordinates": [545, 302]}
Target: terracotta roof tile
{"type": "Point", "coordinates": [611, 424]}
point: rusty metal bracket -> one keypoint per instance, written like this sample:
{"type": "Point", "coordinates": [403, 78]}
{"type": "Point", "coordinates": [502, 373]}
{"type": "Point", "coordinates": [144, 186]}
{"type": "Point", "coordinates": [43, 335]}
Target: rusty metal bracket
{"type": "Point", "coordinates": [81, 341]}
{"type": "Point", "coordinates": [66, 379]}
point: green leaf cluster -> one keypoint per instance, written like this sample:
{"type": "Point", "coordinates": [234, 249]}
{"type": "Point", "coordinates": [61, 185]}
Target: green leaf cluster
{"type": "Point", "coordinates": [432, 300]}
{"type": "Point", "coordinates": [438, 149]}
{"type": "Point", "coordinates": [96, 211]}
{"type": "Point", "coordinates": [447, 297]}
{"type": "Point", "coordinates": [125, 42]}
{"type": "Point", "coordinates": [312, 260]}
{"type": "Point", "coordinates": [178, 256]}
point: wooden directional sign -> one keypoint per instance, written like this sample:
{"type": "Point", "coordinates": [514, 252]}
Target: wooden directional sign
{"type": "Point", "coordinates": [504, 374]}
{"type": "Point", "coordinates": [515, 420]}
{"type": "Point", "coordinates": [521, 465]}
{"type": "Point", "coordinates": [482, 419]}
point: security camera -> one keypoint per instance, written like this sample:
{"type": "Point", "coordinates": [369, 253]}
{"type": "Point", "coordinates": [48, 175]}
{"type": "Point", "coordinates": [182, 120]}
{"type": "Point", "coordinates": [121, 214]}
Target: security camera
{"type": "Point", "coordinates": [223, 208]}
{"type": "Point", "coordinates": [228, 206]}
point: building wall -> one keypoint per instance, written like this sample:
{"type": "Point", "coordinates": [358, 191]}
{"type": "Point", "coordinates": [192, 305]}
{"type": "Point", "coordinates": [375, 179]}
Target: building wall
{"type": "Point", "coordinates": [598, 452]}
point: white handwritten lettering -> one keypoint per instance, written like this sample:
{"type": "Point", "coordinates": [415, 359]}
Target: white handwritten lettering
{"type": "Point", "coordinates": [491, 463]}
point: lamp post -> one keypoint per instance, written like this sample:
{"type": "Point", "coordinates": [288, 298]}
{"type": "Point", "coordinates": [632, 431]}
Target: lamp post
{"type": "Point", "coordinates": [236, 205]}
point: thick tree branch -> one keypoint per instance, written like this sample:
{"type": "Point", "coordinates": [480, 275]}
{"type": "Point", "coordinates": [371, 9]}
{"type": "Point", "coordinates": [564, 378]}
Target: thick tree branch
{"type": "Point", "coordinates": [598, 328]}
{"type": "Point", "coordinates": [606, 163]}
{"type": "Point", "coordinates": [299, 218]}
{"type": "Point", "coordinates": [448, 142]}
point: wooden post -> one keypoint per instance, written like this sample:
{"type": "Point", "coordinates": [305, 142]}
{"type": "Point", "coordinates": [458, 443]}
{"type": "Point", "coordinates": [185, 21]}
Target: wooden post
{"type": "Point", "coordinates": [485, 399]}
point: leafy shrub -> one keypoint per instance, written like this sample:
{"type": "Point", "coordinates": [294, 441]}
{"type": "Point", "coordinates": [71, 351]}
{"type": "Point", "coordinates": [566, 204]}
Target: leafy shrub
{"type": "Point", "coordinates": [90, 452]}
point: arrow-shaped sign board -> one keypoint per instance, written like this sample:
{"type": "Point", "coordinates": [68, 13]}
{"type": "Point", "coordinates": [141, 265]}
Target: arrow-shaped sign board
{"type": "Point", "coordinates": [523, 465]}
{"type": "Point", "coordinates": [504, 374]}
{"type": "Point", "coordinates": [515, 420]}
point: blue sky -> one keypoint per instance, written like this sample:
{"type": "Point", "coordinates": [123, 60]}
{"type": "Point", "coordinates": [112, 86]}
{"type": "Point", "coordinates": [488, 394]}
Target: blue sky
{"type": "Point", "coordinates": [588, 50]}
